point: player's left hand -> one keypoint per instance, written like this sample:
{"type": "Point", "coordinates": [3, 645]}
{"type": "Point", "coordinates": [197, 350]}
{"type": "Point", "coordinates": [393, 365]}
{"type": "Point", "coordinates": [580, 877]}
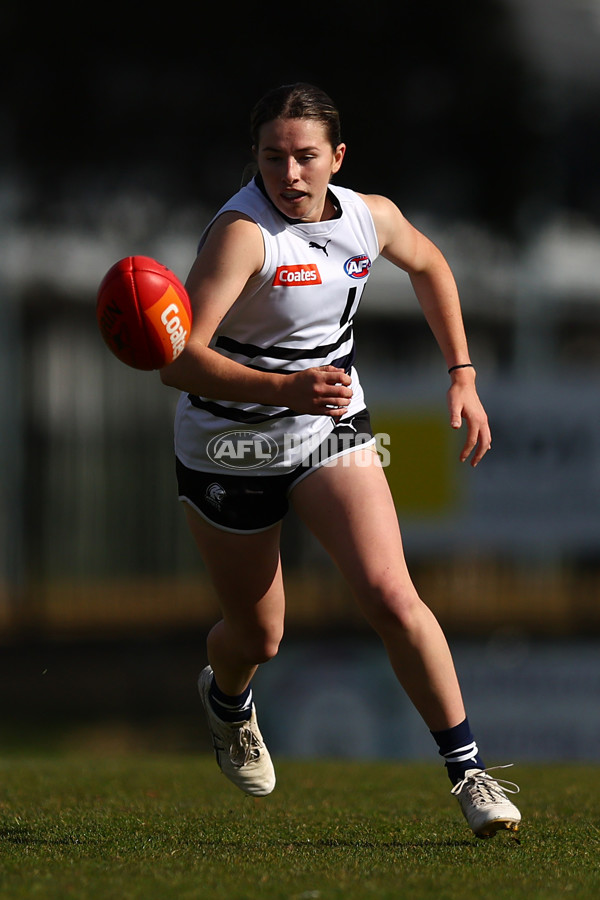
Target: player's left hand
{"type": "Point", "coordinates": [464, 403]}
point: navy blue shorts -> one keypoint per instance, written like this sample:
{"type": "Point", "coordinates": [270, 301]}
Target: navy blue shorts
{"type": "Point", "coordinates": [250, 503]}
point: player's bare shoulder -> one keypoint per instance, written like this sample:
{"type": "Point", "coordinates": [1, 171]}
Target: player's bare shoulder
{"type": "Point", "coordinates": [383, 210]}
{"type": "Point", "coordinates": [233, 248]}
{"type": "Point", "coordinates": [389, 221]}
{"type": "Point", "coordinates": [235, 236]}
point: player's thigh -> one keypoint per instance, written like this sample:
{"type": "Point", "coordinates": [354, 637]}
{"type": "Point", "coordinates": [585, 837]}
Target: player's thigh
{"type": "Point", "coordinates": [349, 508]}
{"type": "Point", "coordinates": [245, 569]}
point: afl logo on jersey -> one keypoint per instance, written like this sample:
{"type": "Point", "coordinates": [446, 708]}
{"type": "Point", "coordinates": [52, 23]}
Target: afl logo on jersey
{"type": "Point", "coordinates": [357, 266]}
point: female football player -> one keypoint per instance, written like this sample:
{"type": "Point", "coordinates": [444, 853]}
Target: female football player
{"type": "Point", "coordinates": [272, 412]}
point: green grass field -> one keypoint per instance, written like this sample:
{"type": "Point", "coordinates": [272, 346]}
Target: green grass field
{"type": "Point", "coordinates": [172, 827]}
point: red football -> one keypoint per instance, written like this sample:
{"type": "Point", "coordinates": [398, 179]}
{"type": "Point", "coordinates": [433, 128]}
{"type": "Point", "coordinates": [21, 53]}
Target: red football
{"type": "Point", "coordinates": [143, 312]}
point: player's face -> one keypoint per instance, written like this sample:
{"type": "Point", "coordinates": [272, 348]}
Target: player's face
{"type": "Point", "coordinates": [296, 161]}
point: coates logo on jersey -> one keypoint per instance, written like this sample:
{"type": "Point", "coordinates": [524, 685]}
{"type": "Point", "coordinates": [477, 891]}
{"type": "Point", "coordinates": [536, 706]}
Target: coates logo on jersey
{"type": "Point", "coordinates": [357, 266]}
{"type": "Point", "coordinates": [295, 276]}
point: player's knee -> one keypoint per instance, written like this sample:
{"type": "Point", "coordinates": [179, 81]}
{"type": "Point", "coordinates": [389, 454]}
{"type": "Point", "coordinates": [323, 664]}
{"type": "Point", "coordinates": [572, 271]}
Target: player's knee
{"type": "Point", "coordinates": [264, 652]}
{"type": "Point", "coordinates": [388, 608]}
{"type": "Point", "coordinates": [263, 645]}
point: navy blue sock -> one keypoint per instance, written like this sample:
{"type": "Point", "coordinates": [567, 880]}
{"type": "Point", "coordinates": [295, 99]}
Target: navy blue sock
{"type": "Point", "coordinates": [230, 709]}
{"type": "Point", "coordinates": [457, 746]}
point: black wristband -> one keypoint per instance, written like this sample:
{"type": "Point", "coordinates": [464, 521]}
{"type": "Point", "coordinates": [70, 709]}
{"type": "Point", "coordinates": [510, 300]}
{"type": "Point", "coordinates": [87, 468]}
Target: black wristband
{"type": "Point", "coordinates": [461, 366]}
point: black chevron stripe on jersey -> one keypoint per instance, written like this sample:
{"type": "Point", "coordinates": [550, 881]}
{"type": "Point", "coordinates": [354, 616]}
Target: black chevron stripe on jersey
{"type": "Point", "coordinates": [343, 362]}
{"type": "Point", "coordinates": [237, 415]}
{"type": "Point", "coordinates": [275, 352]}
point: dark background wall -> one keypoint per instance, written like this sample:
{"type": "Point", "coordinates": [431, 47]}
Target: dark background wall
{"type": "Point", "coordinates": [442, 104]}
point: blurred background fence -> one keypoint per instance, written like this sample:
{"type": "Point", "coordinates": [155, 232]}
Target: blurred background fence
{"type": "Point", "coordinates": [94, 539]}
{"type": "Point", "coordinates": [485, 131]}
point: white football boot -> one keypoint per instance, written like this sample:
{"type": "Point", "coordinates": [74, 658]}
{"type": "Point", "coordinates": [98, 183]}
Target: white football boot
{"type": "Point", "coordinates": [239, 747]}
{"type": "Point", "coordinates": [484, 803]}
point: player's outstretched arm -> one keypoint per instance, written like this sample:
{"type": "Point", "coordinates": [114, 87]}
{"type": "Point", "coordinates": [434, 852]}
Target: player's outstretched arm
{"type": "Point", "coordinates": [435, 288]}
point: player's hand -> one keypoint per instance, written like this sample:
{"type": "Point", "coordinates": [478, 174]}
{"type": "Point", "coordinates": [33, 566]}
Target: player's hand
{"type": "Point", "coordinates": [320, 391]}
{"type": "Point", "coordinates": [464, 403]}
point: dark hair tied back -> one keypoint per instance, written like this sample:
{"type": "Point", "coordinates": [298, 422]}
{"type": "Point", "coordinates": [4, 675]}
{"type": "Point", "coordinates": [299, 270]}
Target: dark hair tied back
{"type": "Point", "coordinates": [297, 101]}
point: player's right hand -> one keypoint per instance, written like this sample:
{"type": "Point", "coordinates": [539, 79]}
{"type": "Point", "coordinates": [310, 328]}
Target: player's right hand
{"type": "Point", "coordinates": [320, 391]}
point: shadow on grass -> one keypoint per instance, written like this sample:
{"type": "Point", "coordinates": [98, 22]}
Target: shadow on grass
{"type": "Point", "coordinates": [26, 835]}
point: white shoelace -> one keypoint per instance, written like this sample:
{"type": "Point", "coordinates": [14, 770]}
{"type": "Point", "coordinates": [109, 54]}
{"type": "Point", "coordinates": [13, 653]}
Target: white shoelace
{"type": "Point", "coordinates": [244, 748]}
{"type": "Point", "coordinates": [488, 788]}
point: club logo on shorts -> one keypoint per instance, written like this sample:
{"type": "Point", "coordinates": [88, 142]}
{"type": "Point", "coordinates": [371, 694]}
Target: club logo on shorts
{"type": "Point", "coordinates": [357, 266]}
{"type": "Point", "coordinates": [242, 449]}
{"type": "Point", "coordinates": [296, 276]}
{"type": "Point", "coordinates": [215, 494]}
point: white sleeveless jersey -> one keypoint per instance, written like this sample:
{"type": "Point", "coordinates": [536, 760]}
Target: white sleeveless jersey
{"type": "Point", "coordinates": [296, 313]}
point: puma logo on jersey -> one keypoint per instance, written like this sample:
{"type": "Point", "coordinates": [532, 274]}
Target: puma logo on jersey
{"type": "Point", "coordinates": [357, 266]}
{"type": "Point", "coordinates": [316, 246]}
{"type": "Point", "coordinates": [297, 275]}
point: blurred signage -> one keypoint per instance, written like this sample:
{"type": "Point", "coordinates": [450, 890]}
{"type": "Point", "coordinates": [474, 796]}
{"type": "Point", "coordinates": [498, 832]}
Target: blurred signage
{"type": "Point", "coordinates": [526, 701]}
{"type": "Point", "coordinates": [537, 490]}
